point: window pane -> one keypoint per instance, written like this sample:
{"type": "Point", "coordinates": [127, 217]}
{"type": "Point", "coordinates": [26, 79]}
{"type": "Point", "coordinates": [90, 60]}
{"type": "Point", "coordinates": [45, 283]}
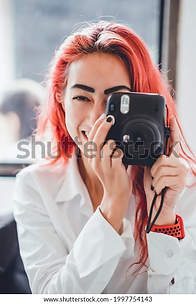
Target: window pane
{"type": "Point", "coordinates": [40, 26]}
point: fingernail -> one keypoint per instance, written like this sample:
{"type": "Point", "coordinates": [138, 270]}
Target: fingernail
{"type": "Point", "coordinates": [102, 116]}
{"type": "Point", "coordinates": [110, 118]}
{"type": "Point", "coordinates": [152, 188]}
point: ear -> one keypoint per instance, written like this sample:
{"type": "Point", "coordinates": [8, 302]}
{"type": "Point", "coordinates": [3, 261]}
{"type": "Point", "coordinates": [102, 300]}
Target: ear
{"type": "Point", "coordinates": [60, 100]}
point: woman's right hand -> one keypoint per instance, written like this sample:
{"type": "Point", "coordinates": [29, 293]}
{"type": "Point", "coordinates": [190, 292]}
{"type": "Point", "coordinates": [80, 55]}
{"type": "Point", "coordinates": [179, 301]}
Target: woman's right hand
{"type": "Point", "coordinates": [111, 172]}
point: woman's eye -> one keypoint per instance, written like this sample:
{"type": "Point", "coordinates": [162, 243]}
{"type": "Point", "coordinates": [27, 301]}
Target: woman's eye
{"type": "Point", "coordinates": [81, 98]}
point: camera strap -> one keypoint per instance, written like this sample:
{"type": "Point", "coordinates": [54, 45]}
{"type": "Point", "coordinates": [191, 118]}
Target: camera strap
{"type": "Point", "coordinates": [149, 223]}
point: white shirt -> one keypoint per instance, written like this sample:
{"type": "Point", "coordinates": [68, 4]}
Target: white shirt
{"type": "Point", "coordinates": [69, 249]}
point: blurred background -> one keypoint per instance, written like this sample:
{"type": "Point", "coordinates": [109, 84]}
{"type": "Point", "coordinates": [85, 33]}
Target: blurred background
{"type": "Point", "coordinates": [31, 31]}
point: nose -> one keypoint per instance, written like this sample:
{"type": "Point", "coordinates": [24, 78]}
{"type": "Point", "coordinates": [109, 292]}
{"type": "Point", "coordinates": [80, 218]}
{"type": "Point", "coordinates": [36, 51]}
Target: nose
{"type": "Point", "coordinates": [97, 110]}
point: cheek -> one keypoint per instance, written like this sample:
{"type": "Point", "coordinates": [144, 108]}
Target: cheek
{"type": "Point", "coordinates": [69, 116]}
{"type": "Point", "coordinates": [73, 121]}
{"type": "Point", "coordinates": [74, 117]}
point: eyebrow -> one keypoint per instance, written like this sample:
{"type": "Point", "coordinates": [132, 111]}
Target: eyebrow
{"type": "Point", "coordinates": [106, 92]}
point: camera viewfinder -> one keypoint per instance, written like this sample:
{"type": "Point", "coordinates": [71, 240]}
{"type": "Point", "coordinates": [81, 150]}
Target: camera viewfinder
{"type": "Point", "coordinates": [124, 104]}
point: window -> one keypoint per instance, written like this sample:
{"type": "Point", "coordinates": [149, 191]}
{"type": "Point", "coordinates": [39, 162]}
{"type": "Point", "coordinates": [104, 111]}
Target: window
{"type": "Point", "coordinates": [34, 29]}
{"type": "Point", "coordinates": [40, 27]}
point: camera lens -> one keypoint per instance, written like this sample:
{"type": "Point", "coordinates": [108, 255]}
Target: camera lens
{"type": "Point", "coordinates": [112, 107]}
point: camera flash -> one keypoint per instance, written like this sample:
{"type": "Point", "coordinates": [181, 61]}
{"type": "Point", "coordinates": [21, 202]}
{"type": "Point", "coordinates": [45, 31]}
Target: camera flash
{"type": "Point", "coordinates": [124, 104]}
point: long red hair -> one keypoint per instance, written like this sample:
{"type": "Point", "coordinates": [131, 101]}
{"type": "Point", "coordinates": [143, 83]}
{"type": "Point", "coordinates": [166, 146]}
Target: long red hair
{"type": "Point", "coordinates": [119, 40]}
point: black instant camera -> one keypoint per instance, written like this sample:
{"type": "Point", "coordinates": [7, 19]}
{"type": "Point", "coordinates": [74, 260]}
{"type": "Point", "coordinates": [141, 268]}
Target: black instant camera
{"type": "Point", "coordinates": [139, 129]}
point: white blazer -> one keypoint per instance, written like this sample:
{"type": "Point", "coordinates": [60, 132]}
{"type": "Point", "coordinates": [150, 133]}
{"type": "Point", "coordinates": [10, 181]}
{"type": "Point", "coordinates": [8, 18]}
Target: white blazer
{"type": "Point", "coordinates": [69, 249]}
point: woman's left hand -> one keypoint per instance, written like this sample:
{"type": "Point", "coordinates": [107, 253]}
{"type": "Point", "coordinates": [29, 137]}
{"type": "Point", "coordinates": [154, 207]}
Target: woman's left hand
{"type": "Point", "coordinates": [168, 172]}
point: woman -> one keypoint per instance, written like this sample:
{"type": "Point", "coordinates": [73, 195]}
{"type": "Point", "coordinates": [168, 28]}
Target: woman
{"type": "Point", "coordinates": [82, 217]}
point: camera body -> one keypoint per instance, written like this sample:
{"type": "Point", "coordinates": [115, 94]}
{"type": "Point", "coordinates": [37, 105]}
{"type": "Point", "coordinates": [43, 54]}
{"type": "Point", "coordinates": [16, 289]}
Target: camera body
{"type": "Point", "coordinates": [139, 129]}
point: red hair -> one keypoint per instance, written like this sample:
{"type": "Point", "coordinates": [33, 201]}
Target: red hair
{"type": "Point", "coordinates": [118, 40]}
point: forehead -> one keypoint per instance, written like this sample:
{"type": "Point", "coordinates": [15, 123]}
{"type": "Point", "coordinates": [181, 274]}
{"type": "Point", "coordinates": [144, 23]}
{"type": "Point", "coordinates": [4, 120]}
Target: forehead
{"type": "Point", "coordinates": [100, 68]}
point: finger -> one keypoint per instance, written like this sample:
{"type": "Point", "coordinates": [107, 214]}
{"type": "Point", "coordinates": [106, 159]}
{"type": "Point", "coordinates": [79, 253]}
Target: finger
{"type": "Point", "coordinates": [163, 160]}
{"type": "Point", "coordinates": [116, 158]}
{"type": "Point", "coordinates": [176, 183]}
{"type": "Point", "coordinates": [174, 138]}
{"type": "Point", "coordinates": [90, 150]}
{"type": "Point", "coordinates": [102, 132]}
{"type": "Point", "coordinates": [94, 129]}
{"type": "Point", "coordinates": [165, 171]}
{"type": "Point", "coordinates": [106, 153]}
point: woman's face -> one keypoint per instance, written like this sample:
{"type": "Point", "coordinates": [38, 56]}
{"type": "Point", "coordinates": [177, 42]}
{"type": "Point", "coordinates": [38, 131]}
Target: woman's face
{"type": "Point", "coordinates": [91, 79]}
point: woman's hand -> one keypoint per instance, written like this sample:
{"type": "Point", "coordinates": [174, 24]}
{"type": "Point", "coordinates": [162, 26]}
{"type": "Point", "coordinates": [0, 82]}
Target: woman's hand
{"type": "Point", "coordinates": [111, 172]}
{"type": "Point", "coordinates": [168, 172]}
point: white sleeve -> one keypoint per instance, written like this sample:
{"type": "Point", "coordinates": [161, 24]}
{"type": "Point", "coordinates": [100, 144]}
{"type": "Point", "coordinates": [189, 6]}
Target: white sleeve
{"type": "Point", "coordinates": [86, 269]}
{"type": "Point", "coordinates": [172, 261]}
